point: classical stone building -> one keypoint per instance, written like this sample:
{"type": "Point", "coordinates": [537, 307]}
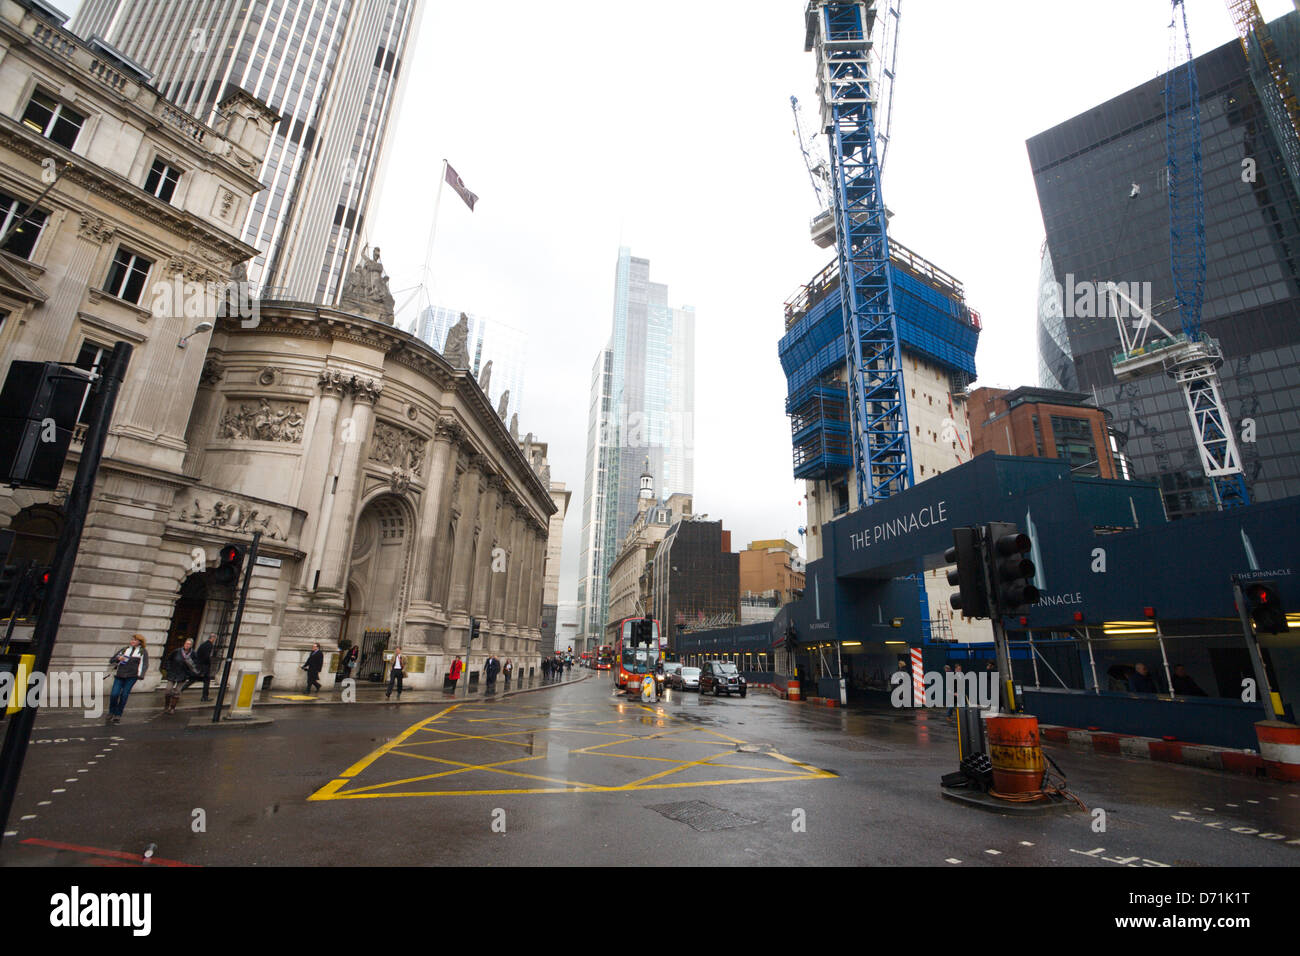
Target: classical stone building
{"type": "Point", "coordinates": [392, 501]}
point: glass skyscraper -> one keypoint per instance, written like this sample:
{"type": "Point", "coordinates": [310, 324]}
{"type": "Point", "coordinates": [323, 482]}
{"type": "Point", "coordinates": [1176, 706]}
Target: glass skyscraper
{"type": "Point", "coordinates": [1102, 188]}
{"type": "Point", "coordinates": [330, 68]}
{"type": "Point", "coordinates": [640, 417]}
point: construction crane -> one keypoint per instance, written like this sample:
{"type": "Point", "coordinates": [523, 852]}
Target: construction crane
{"type": "Point", "coordinates": [841, 35]}
{"type": "Point", "coordinates": [1268, 73]}
{"type": "Point", "coordinates": [1190, 357]}
{"type": "Point", "coordinates": [884, 62]}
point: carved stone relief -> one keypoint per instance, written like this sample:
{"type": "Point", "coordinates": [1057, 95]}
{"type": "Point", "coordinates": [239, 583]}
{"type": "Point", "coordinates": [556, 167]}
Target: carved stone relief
{"type": "Point", "coordinates": [398, 447]}
{"type": "Point", "coordinates": [230, 514]}
{"type": "Point", "coordinates": [263, 422]}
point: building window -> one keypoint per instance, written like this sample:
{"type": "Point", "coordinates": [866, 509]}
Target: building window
{"type": "Point", "coordinates": [162, 180]}
{"type": "Point", "coordinates": [54, 120]}
{"type": "Point", "coordinates": [22, 240]}
{"type": "Point", "coordinates": [91, 357]}
{"type": "Point", "coordinates": [1075, 446]}
{"type": "Point", "coordinates": [127, 275]}
{"type": "Point", "coordinates": [1038, 438]}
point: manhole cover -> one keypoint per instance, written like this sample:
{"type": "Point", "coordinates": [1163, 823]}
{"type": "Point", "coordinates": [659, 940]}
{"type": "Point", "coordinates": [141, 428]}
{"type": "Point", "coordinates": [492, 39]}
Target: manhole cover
{"type": "Point", "coordinates": [702, 816]}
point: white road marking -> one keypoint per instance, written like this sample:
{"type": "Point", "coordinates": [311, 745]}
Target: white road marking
{"type": "Point", "coordinates": [44, 803]}
{"type": "Point", "coordinates": [993, 852]}
{"type": "Point", "coordinates": [58, 790]}
{"type": "Point", "coordinates": [28, 816]}
{"type": "Point", "coordinates": [1025, 843]}
{"type": "Point", "coordinates": [952, 860]}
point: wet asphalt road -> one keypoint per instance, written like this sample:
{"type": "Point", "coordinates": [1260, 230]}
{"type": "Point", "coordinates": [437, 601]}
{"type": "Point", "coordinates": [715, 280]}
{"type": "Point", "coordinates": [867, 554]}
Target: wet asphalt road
{"type": "Point", "coordinates": [576, 775]}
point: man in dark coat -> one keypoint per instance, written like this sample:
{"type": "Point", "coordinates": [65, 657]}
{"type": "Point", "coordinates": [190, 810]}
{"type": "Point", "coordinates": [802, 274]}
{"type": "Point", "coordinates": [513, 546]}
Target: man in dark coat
{"type": "Point", "coordinates": [492, 668]}
{"type": "Point", "coordinates": [1184, 686]}
{"type": "Point", "coordinates": [1141, 681]}
{"type": "Point", "coordinates": [315, 661]}
{"type": "Point", "coordinates": [203, 660]}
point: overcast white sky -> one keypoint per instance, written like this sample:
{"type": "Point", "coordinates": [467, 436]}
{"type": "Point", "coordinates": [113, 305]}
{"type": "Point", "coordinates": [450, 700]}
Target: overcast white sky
{"type": "Point", "coordinates": [666, 127]}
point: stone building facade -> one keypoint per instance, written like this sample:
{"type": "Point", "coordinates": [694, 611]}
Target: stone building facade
{"type": "Point", "coordinates": [392, 501]}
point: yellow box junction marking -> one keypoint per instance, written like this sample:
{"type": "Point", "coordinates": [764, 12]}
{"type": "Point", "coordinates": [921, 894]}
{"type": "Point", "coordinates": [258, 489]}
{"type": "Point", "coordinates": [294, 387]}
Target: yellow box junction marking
{"type": "Point", "coordinates": [423, 741]}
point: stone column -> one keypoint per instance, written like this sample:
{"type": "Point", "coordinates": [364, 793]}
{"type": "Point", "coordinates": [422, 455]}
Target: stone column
{"type": "Point", "coordinates": [313, 497]}
{"type": "Point", "coordinates": [338, 540]}
{"type": "Point", "coordinates": [437, 490]}
{"type": "Point", "coordinates": [206, 403]}
{"type": "Point", "coordinates": [467, 529]}
{"type": "Point", "coordinates": [482, 571]}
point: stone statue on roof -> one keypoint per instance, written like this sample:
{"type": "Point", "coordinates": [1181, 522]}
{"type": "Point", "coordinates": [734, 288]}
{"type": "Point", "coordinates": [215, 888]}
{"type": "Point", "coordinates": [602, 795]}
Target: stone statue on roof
{"type": "Point", "coordinates": [456, 350]}
{"type": "Point", "coordinates": [366, 289]}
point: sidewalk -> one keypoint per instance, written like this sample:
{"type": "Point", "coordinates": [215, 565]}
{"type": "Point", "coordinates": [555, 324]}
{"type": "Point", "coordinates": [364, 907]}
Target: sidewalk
{"type": "Point", "coordinates": [367, 692]}
{"type": "Point", "coordinates": [147, 706]}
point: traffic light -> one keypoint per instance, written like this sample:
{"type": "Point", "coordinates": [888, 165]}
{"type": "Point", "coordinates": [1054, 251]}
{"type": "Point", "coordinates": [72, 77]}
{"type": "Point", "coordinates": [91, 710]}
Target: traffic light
{"type": "Point", "coordinates": [22, 589]}
{"type": "Point", "coordinates": [1266, 608]}
{"type": "Point", "coordinates": [968, 575]}
{"type": "Point", "coordinates": [232, 561]}
{"type": "Point", "coordinates": [1009, 569]}
{"type": "Point", "coordinates": [473, 629]}
{"type": "Point", "coordinates": [41, 401]}
{"type": "Point", "coordinates": [40, 580]}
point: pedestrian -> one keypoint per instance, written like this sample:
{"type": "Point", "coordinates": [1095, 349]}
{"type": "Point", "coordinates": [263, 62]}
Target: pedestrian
{"type": "Point", "coordinates": [1141, 681]}
{"type": "Point", "coordinates": [315, 661]}
{"type": "Point", "coordinates": [203, 659]}
{"type": "Point", "coordinates": [453, 675]}
{"type": "Point", "coordinates": [1183, 683]}
{"type": "Point", "coordinates": [129, 664]}
{"type": "Point", "coordinates": [398, 672]}
{"type": "Point", "coordinates": [354, 654]}
{"type": "Point", "coordinates": [341, 671]}
{"type": "Point", "coordinates": [546, 670]}
{"type": "Point", "coordinates": [181, 670]}
{"type": "Point", "coordinates": [508, 669]}
{"type": "Point", "coordinates": [492, 668]}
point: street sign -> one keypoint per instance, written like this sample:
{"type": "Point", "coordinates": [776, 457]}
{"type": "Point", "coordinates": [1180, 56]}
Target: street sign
{"type": "Point", "coordinates": [265, 562]}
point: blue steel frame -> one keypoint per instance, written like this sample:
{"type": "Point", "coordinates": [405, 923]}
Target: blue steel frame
{"type": "Point", "coordinates": [1187, 230]}
{"type": "Point", "coordinates": [881, 448]}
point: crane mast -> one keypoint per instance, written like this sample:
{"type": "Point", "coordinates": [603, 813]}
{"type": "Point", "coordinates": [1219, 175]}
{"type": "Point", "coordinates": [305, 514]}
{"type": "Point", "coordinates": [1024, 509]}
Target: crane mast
{"type": "Point", "coordinates": [1190, 357]}
{"type": "Point", "coordinates": [840, 34]}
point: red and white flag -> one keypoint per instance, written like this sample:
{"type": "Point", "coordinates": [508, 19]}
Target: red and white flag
{"type": "Point", "coordinates": [458, 184]}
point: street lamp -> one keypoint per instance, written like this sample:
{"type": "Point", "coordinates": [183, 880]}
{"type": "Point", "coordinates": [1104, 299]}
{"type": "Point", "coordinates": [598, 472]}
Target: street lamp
{"type": "Point", "coordinates": [198, 330]}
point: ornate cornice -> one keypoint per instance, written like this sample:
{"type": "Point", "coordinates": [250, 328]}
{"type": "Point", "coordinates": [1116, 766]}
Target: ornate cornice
{"type": "Point", "coordinates": [366, 392]}
{"type": "Point", "coordinates": [449, 430]}
{"type": "Point", "coordinates": [82, 172]}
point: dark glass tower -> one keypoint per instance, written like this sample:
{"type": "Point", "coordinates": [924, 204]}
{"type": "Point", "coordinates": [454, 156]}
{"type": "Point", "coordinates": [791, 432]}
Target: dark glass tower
{"type": "Point", "coordinates": [1101, 181]}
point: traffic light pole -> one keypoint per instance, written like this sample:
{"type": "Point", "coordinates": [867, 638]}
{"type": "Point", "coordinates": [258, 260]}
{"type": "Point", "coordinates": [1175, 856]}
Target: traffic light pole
{"type": "Point", "coordinates": [1256, 658]}
{"type": "Point", "coordinates": [234, 629]}
{"type": "Point", "coordinates": [76, 508]}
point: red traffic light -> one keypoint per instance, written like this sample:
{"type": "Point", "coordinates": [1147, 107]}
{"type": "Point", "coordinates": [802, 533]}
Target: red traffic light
{"type": "Point", "coordinates": [229, 554]}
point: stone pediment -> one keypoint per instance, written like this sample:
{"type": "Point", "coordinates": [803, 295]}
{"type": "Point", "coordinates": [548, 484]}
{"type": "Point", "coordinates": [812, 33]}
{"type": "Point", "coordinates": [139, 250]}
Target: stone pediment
{"type": "Point", "coordinates": [16, 284]}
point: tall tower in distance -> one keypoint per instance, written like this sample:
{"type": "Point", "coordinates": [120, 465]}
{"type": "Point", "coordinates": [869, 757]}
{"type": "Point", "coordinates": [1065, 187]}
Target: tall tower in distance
{"type": "Point", "coordinates": [330, 68]}
{"type": "Point", "coordinates": [641, 417]}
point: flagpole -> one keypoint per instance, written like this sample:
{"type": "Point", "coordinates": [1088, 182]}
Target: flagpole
{"type": "Point", "coordinates": [433, 229]}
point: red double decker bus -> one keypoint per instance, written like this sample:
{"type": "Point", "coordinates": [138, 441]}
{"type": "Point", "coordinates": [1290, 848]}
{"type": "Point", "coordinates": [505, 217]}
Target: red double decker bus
{"type": "Point", "coordinates": [605, 657]}
{"type": "Point", "coordinates": [638, 651]}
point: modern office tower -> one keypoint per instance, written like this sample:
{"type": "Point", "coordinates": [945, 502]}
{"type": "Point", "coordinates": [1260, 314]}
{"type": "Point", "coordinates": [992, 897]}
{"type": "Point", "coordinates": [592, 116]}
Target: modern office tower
{"type": "Point", "coordinates": [488, 341]}
{"type": "Point", "coordinates": [642, 410]}
{"type": "Point", "coordinates": [332, 69]}
{"type": "Point", "coordinates": [1101, 180]}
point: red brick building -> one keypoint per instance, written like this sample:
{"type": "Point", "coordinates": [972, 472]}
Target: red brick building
{"type": "Point", "coordinates": [1043, 423]}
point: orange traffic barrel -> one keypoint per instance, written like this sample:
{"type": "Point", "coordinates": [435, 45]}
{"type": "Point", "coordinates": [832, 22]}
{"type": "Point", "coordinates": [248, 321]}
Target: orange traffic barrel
{"type": "Point", "coordinates": [1279, 745]}
{"type": "Point", "coordinates": [792, 691]}
{"type": "Point", "coordinates": [1015, 753]}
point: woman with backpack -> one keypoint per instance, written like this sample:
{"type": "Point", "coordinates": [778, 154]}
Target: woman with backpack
{"type": "Point", "coordinates": [129, 665]}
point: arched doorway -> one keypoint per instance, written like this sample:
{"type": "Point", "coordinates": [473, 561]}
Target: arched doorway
{"type": "Point", "coordinates": [377, 589]}
{"type": "Point", "coordinates": [203, 607]}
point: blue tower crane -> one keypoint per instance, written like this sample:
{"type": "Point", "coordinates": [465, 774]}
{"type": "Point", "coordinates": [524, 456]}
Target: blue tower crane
{"type": "Point", "coordinates": [840, 33]}
{"type": "Point", "coordinates": [1191, 358]}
